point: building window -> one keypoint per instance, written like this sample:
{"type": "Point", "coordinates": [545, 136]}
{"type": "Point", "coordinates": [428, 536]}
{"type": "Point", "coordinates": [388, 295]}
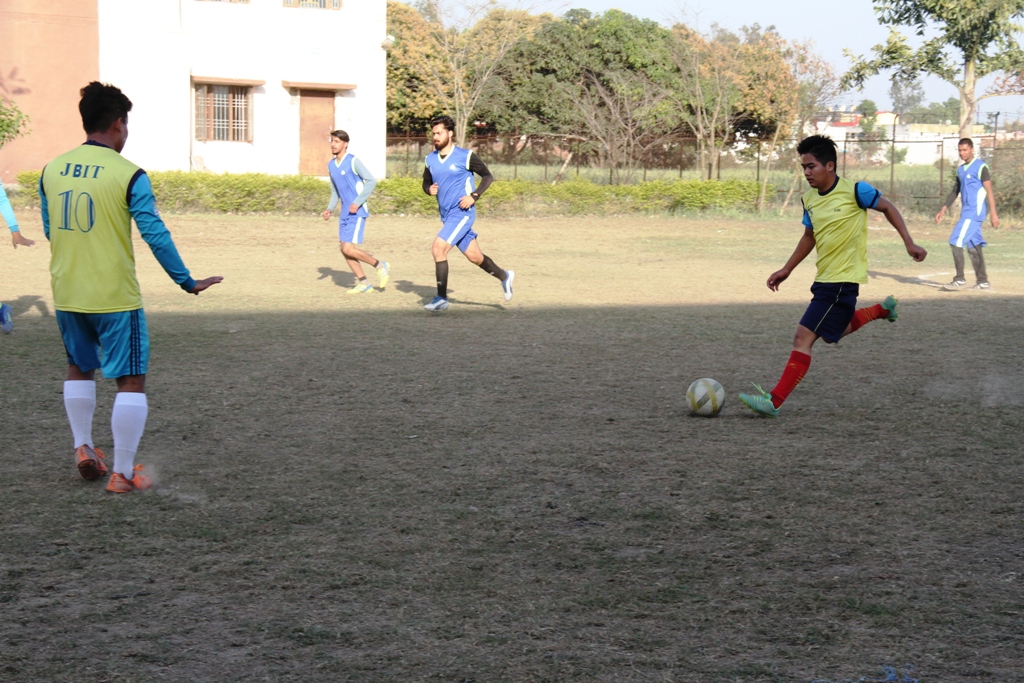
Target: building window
{"type": "Point", "coordinates": [223, 112]}
{"type": "Point", "coordinates": [315, 4]}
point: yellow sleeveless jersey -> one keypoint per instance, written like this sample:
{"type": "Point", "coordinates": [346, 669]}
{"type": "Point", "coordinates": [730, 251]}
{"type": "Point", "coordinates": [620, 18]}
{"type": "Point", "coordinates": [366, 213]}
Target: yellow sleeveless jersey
{"type": "Point", "coordinates": [839, 220]}
{"type": "Point", "coordinates": [92, 262]}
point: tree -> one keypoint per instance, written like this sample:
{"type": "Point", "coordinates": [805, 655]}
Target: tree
{"type": "Point", "coordinates": [412, 99]}
{"type": "Point", "coordinates": [906, 94]}
{"type": "Point", "coordinates": [469, 39]}
{"type": "Point", "coordinates": [869, 134]}
{"type": "Point", "coordinates": [982, 34]}
{"type": "Point", "coordinates": [707, 90]}
{"type": "Point", "coordinates": [817, 89]}
{"type": "Point", "coordinates": [13, 122]}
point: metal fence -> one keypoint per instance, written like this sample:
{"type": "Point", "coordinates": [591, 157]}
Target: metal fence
{"type": "Point", "coordinates": [916, 170]}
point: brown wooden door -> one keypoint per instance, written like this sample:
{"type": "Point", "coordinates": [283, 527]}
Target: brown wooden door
{"type": "Point", "coordinates": [316, 121]}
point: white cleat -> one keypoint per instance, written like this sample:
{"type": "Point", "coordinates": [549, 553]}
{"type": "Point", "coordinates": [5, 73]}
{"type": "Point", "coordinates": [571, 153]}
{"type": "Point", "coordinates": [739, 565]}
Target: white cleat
{"type": "Point", "coordinates": [506, 286]}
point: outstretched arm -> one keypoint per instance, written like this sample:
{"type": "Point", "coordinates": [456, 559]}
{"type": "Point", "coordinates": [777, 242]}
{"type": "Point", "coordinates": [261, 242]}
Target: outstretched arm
{"type": "Point", "coordinates": [369, 183]}
{"type": "Point", "coordinates": [804, 247]}
{"type": "Point", "coordinates": [892, 214]}
{"type": "Point", "coordinates": [12, 223]}
{"type": "Point", "coordinates": [142, 206]}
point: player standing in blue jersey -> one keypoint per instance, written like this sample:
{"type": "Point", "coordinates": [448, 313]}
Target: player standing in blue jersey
{"type": "Point", "coordinates": [449, 176]}
{"type": "Point", "coordinates": [89, 197]}
{"type": "Point", "coordinates": [974, 186]}
{"type": "Point", "coordinates": [352, 183]}
{"type": "Point", "coordinates": [6, 313]}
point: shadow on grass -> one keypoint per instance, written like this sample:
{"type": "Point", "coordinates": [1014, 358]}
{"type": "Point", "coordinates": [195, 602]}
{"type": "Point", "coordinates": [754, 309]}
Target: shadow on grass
{"type": "Point", "coordinates": [24, 304]}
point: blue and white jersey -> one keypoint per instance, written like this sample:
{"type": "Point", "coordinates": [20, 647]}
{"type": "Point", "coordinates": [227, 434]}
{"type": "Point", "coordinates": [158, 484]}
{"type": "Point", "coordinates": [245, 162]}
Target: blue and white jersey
{"type": "Point", "coordinates": [973, 196]}
{"type": "Point", "coordinates": [347, 183]}
{"type": "Point", "coordinates": [454, 180]}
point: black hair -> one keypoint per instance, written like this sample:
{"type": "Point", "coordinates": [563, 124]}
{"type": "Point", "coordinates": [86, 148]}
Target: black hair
{"type": "Point", "coordinates": [821, 147]}
{"type": "Point", "coordinates": [446, 121]}
{"type": "Point", "coordinates": [340, 134]}
{"type": "Point", "coordinates": [966, 141]}
{"type": "Point", "coordinates": [101, 105]}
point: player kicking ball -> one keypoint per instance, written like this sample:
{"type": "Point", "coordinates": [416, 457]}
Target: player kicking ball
{"type": "Point", "coordinates": [449, 176]}
{"type": "Point", "coordinates": [352, 183]}
{"type": "Point", "coordinates": [836, 226]}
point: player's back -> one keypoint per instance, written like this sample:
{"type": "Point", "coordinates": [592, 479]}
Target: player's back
{"type": "Point", "coordinates": [453, 178]}
{"type": "Point", "coordinates": [92, 262]}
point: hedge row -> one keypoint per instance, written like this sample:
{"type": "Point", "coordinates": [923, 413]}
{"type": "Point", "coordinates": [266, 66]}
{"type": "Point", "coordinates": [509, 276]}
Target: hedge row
{"type": "Point", "coordinates": [178, 191]}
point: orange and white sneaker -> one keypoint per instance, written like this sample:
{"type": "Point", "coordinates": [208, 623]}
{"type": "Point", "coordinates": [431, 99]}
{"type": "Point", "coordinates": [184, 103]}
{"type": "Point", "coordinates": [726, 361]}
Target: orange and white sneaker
{"type": "Point", "coordinates": [90, 462]}
{"type": "Point", "coordinates": [139, 482]}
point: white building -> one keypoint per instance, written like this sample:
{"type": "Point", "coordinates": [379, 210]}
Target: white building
{"type": "Point", "coordinates": [219, 85]}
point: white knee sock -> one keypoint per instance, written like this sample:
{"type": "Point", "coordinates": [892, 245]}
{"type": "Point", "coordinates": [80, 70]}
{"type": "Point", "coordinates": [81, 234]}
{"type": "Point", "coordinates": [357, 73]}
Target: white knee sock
{"type": "Point", "coordinates": [80, 404]}
{"type": "Point", "coordinates": [127, 422]}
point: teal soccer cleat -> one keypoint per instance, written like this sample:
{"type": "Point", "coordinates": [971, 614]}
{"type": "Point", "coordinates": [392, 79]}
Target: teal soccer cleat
{"type": "Point", "coordinates": [890, 305]}
{"type": "Point", "coordinates": [760, 403]}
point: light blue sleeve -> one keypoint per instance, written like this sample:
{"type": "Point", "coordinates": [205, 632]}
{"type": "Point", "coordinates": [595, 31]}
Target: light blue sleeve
{"type": "Point", "coordinates": [44, 207]}
{"type": "Point", "coordinates": [142, 206]}
{"type": "Point", "coordinates": [7, 212]}
{"type": "Point", "coordinates": [867, 196]}
{"type": "Point", "coordinates": [807, 219]}
{"type": "Point", "coordinates": [334, 196]}
{"type": "Point", "coordinates": [369, 182]}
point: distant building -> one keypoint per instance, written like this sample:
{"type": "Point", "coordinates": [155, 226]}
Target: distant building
{"type": "Point", "coordinates": [218, 85]}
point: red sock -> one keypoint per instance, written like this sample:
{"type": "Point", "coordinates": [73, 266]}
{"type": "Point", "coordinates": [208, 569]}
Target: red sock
{"type": "Point", "coordinates": [795, 370]}
{"type": "Point", "coordinates": [863, 316]}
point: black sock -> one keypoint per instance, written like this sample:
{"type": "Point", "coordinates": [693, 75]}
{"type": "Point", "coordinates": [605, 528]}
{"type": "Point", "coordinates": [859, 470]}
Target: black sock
{"type": "Point", "coordinates": [362, 279]}
{"type": "Point", "coordinates": [441, 269]}
{"type": "Point", "coordinates": [492, 268]}
{"type": "Point", "coordinates": [375, 263]}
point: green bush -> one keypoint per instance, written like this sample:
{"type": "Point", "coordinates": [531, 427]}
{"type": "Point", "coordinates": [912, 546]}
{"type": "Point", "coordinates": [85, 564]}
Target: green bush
{"type": "Point", "coordinates": [178, 191]}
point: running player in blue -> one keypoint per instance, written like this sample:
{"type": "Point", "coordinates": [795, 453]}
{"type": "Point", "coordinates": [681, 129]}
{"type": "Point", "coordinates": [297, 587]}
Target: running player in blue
{"type": "Point", "coordinates": [448, 175]}
{"type": "Point", "coordinates": [6, 313]}
{"type": "Point", "coordinates": [974, 186]}
{"type": "Point", "coordinates": [352, 183]}
{"type": "Point", "coordinates": [89, 197]}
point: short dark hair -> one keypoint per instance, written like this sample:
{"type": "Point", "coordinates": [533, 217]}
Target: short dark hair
{"type": "Point", "coordinates": [101, 105]}
{"type": "Point", "coordinates": [340, 134]}
{"type": "Point", "coordinates": [966, 141]}
{"type": "Point", "coordinates": [447, 121]}
{"type": "Point", "coordinates": [821, 147]}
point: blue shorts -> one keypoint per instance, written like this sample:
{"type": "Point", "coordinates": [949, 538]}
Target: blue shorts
{"type": "Point", "coordinates": [458, 229]}
{"type": "Point", "coordinates": [831, 309]}
{"type": "Point", "coordinates": [967, 232]}
{"type": "Point", "coordinates": [351, 228]}
{"type": "Point", "coordinates": [120, 339]}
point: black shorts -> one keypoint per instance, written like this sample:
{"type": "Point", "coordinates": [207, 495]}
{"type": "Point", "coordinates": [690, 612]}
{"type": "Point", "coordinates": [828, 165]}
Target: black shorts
{"type": "Point", "coordinates": [831, 309]}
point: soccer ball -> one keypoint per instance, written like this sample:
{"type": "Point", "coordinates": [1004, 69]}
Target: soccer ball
{"type": "Point", "coordinates": [705, 397]}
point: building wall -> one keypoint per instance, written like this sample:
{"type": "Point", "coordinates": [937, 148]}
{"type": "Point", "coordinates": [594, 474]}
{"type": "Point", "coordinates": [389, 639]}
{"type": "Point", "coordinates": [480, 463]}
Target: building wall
{"type": "Point", "coordinates": [48, 51]}
{"type": "Point", "coordinates": [154, 50]}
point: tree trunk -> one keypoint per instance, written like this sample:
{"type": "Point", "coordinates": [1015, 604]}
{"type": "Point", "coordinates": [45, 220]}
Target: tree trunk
{"type": "Point", "coordinates": [767, 169]}
{"type": "Point", "coordinates": [967, 101]}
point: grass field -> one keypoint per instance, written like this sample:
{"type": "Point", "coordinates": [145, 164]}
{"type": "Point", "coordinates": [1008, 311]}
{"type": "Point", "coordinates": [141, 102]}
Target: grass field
{"type": "Point", "coordinates": [350, 489]}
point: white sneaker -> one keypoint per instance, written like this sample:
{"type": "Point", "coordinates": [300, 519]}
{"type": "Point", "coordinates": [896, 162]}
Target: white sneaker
{"type": "Point", "coordinates": [506, 286]}
{"type": "Point", "coordinates": [437, 304]}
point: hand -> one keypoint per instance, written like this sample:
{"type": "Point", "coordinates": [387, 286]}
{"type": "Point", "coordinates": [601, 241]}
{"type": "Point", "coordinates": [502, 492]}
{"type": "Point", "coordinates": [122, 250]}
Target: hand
{"type": "Point", "coordinates": [326, 215]}
{"type": "Point", "coordinates": [995, 220]}
{"type": "Point", "coordinates": [202, 285]}
{"type": "Point", "coordinates": [17, 238]}
{"type": "Point", "coordinates": [352, 208]}
{"type": "Point", "coordinates": [940, 214]}
{"type": "Point", "coordinates": [466, 202]}
{"type": "Point", "coordinates": [433, 190]}
{"type": "Point", "coordinates": [916, 252]}
{"type": "Point", "coordinates": [777, 278]}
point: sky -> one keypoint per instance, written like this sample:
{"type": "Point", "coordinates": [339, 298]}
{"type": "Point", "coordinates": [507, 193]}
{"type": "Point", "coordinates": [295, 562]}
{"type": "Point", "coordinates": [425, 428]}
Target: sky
{"type": "Point", "coordinates": [849, 25]}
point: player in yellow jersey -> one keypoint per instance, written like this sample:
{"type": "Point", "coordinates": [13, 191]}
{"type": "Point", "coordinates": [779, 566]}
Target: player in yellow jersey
{"type": "Point", "coordinates": [836, 226]}
{"type": "Point", "coordinates": [89, 197]}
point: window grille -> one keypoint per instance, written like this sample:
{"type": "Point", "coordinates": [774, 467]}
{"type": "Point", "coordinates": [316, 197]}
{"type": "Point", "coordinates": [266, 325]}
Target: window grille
{"type": "Point", "coordinates": [223, 112]}
{"type": "Point", "coordinates": [314, 4]}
